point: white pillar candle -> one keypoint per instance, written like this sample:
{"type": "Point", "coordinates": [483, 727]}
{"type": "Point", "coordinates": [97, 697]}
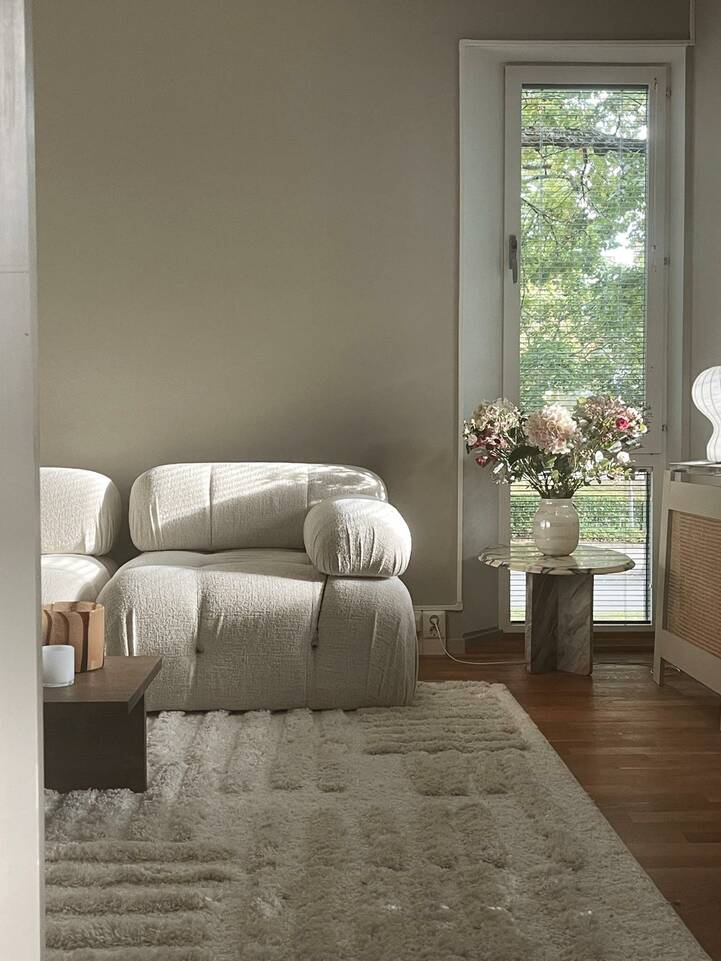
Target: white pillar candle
{"type": "Point", "coordinates": [58, 665]}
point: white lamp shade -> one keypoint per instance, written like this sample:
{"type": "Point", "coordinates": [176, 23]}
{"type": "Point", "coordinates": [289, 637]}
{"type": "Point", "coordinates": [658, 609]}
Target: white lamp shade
{"type": "Point", "coordinates": [706, 394]}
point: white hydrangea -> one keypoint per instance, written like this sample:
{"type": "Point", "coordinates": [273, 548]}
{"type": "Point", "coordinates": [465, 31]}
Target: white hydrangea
{"type": "Point", "coordinates": [551, 429]}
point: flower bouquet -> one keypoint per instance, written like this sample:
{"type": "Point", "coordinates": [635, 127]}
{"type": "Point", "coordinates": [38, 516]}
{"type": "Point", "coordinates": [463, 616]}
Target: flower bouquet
{"type": "Point", "coordinates": [556, 451]}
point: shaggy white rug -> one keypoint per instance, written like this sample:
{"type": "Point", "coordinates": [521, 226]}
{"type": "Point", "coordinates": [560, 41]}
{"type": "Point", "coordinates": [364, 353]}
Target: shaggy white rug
{"type": "Point", "coordinates": [444, 831]}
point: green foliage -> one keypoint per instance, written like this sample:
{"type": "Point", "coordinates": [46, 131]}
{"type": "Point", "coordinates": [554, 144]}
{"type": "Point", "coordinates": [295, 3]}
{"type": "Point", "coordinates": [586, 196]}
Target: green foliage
{"type": "Point", "coordinates": [583, 236]}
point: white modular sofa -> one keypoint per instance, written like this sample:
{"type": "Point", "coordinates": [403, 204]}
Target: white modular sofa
{"type": "Point", "coordinates": [80, 515]}
{"type": "Point", "coordinates": [266, 586]}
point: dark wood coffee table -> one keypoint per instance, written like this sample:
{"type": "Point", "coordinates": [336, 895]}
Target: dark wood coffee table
{"type": "Point", "coordinates": [95, 730]}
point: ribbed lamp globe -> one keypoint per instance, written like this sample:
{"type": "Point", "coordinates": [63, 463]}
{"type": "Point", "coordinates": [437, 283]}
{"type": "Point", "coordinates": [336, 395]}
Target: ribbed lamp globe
{"type": "Point", "coordinates": [706, 394]}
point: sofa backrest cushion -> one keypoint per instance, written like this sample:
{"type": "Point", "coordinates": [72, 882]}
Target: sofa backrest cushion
{"type": "Point", "coordinates": [218, 507]}
{"type": "Point", "coordinates": [80, 511]}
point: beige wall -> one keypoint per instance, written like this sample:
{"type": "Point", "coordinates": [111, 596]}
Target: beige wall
{"type": "Point", "coordinates": [248, 220]}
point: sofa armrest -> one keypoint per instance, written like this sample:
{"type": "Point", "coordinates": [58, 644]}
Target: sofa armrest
{"type": "Point", "coordinates": [357, 537]}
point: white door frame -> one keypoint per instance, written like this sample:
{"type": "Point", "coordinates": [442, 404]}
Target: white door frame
{"type": "Point", "coordinates": [21, 782]}
{"type": "Point", "coordinates": [482, 249]}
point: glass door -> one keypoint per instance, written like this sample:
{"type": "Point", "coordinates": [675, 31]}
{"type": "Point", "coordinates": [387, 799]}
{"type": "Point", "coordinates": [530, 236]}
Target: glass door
{"type": "Point", "coordinates": [584, 302]}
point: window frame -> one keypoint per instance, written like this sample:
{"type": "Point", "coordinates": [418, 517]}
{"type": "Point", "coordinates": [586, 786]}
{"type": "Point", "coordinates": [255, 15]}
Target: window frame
{"type": "Point", "coordinates": [652, 454]}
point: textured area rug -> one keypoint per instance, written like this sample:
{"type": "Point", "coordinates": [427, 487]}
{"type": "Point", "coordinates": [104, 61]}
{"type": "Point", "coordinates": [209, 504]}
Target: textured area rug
{"type": "Point", "coordinates": [442, 831]}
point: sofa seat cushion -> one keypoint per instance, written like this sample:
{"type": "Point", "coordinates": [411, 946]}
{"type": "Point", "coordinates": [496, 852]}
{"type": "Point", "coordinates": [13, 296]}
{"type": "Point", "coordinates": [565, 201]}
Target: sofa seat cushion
{"type": "Point", "coordinates": [261, 628]}
{"type": "Point", "coordinates": [243, 614]}
{"type": "Point", "coordinates": [73, 577]}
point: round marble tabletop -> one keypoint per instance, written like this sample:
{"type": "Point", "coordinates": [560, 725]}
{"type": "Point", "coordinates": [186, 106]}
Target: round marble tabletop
{"type": "Point", "coordinates": [584, 560]}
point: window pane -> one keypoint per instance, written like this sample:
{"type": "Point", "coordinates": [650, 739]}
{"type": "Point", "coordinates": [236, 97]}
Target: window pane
{"type": "Point", "coordinates": [583, 242]}
{"type": "Point", "coordinates": [616, 515]}
{"type": "Point", "coordinates": [583, 300]}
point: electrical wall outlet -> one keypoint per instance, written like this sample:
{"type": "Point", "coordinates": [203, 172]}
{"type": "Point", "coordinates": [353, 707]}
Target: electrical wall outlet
{"type": "Point", "coordinates": [434, 622]}
{"type": "Point", "coordinates": [428, 641]}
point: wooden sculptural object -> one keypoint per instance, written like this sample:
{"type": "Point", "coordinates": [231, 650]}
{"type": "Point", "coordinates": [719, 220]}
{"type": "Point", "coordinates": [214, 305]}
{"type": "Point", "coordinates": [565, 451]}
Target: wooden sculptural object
{"type": "Point", "coordinates": [80, 624]}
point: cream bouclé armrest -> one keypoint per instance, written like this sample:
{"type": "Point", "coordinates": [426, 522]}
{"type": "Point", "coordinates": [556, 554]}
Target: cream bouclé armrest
{"type": "Point", "coordinates": [357, 537]}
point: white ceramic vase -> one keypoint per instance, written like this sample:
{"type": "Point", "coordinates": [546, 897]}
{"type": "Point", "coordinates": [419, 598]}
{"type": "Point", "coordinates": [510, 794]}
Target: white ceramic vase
{"type": "Point", "coordinates": [555, 527]}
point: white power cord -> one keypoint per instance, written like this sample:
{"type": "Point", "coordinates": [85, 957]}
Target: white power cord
{"type": "Point", "coordinates": [436, 628]}
{"type": "Point", "coordinates": [435, 625]}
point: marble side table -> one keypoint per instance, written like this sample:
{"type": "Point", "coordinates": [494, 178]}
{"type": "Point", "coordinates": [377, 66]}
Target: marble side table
{"type": "Point", "coordinates": [559, 602]}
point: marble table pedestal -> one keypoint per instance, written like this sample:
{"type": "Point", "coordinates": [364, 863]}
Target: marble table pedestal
{"type": "Point", "coordinates": [559, 601]}
{"type": "Point", "coordinates": [559, 623]}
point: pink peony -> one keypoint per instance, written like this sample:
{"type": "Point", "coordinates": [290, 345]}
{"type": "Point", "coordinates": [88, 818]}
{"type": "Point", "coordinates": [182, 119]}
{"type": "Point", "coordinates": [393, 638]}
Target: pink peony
{"type": "Point", "coordinates": [551, 429]}
{"type": "Point", "coordinates": [623, 423]}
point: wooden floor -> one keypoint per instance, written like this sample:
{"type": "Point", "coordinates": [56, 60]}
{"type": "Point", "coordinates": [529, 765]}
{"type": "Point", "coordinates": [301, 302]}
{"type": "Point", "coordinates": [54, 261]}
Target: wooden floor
{"type": "Point", "coordinates": [649, 757]}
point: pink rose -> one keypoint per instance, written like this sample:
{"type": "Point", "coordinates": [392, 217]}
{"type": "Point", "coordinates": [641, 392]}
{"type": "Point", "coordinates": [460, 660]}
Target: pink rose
{"type": "Point", "coordinates": [623, 423]}
{"type": "Point", "coordinates": [482, 461]}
